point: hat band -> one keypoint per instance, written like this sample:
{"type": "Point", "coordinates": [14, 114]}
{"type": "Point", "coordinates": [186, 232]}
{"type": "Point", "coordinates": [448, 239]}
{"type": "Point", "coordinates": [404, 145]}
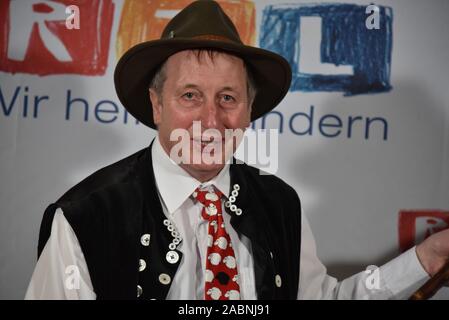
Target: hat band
{"type": "Point", "coordinates": [212, 37]}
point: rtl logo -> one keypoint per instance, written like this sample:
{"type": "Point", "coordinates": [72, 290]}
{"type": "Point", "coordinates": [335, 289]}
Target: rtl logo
{"type": "Point", "coordinates": [332, 46]}
{"type": "Point", "coordinates": [415, 226]}
{"type": "Point", "coordinates": [36, 36]}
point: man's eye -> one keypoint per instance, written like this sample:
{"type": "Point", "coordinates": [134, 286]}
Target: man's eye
{"type": "Point", "coordinates": [189, 95]}
{"type": "Point", "coordinates": [228, 98]}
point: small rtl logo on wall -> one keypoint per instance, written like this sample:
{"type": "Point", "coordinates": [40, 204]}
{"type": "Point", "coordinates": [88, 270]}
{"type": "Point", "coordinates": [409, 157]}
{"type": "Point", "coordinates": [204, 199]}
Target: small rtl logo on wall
{"type": "Point", "coordinates": [415, 226]}
{"type": "Point", "coordinates": [54, 37]}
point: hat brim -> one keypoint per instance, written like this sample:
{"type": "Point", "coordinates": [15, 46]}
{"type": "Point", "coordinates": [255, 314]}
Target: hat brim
{"type": "Point", "coordinates": [136, 68]}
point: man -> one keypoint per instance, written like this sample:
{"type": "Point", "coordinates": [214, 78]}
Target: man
{"type": "Point", "coordinates": [153, 227]}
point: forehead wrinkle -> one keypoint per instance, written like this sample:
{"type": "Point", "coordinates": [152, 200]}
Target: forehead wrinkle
{"type": "Point", "coordinates": [183, 65]}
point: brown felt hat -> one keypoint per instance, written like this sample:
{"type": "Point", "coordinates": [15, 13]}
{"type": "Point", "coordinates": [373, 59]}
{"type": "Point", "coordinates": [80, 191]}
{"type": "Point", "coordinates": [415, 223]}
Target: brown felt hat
{"type": "Point", "coordinates": [202, 24]}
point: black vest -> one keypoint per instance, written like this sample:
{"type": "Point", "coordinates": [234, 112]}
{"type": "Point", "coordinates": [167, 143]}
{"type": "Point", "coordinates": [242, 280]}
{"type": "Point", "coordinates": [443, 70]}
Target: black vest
{"type": "Point", "coordinates": [111, 209]}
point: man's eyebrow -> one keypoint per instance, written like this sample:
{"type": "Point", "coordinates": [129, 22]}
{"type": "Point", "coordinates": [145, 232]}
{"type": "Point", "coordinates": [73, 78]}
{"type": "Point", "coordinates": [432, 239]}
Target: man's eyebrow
{"type": "Point", "coordinates": [195, 86]}
{"type": "Point", "coordinates": [228, 88]}
{"type": "Point", "coordinates": [190, 86]}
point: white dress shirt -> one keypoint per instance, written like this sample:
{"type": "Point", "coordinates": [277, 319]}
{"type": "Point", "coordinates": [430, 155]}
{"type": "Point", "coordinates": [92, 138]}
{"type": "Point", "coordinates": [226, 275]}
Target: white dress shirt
{"type": "Point", "coordinates": [53, 275]}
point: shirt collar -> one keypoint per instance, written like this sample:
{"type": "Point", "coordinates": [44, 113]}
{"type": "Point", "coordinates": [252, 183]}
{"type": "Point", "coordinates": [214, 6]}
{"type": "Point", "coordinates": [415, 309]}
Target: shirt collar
{"type": "Point", "coordinates": [175, 185]}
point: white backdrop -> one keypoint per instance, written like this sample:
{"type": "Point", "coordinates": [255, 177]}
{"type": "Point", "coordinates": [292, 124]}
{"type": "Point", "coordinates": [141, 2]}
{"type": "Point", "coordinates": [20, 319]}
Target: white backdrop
{"type": "Point", "coordinates": [352, 188]}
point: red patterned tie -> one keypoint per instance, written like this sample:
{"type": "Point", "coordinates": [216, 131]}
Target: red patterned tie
{"type": "Point", "coordinates": [221, 267]}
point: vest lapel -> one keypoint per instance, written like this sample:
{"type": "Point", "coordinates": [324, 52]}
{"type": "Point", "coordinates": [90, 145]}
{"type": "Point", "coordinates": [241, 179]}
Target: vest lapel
{"type": "Point", "coordinates": [155, 280]}
{"type": "Point", "coordinates": [254, 225]}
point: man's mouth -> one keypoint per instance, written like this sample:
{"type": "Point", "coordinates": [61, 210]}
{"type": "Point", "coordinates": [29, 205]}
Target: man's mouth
{"type": "Point", "coordinates": [206, 141]}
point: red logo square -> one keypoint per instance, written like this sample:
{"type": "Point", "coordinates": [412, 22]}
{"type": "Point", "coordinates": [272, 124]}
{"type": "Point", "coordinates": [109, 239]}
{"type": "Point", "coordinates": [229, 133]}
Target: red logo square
{"type": "Point", "coordinates": [34, 37]}
{"type": "Point", "coordinates": [415, 226]}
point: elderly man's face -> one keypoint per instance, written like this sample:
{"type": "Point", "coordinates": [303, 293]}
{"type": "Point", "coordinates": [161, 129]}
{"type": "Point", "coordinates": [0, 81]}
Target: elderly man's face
{"type": "Point", "coordinates": [200, 88]}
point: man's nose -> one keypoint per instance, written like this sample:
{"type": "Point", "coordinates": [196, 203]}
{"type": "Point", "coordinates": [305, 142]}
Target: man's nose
{"type": "Point", "coordinates": [210, 117]}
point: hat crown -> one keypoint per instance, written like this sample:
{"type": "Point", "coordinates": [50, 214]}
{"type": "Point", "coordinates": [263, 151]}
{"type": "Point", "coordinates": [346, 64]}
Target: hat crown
{"type": "Point", "coordinates": [203, 19]}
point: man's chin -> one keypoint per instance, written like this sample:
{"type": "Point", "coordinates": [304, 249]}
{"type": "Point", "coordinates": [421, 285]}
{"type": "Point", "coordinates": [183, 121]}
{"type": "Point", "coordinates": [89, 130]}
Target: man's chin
{"type": "Point", "coordinates": [203, 168]}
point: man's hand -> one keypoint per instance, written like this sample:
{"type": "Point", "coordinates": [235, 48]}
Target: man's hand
{"type": "Point", "coordinates": [433, 252]}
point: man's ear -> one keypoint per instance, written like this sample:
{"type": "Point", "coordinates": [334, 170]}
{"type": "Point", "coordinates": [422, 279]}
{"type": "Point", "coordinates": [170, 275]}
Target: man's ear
{"type": "Point", "coordinates": [157, 106]}
{"type": "Point", "coordinates": [249, 113]}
